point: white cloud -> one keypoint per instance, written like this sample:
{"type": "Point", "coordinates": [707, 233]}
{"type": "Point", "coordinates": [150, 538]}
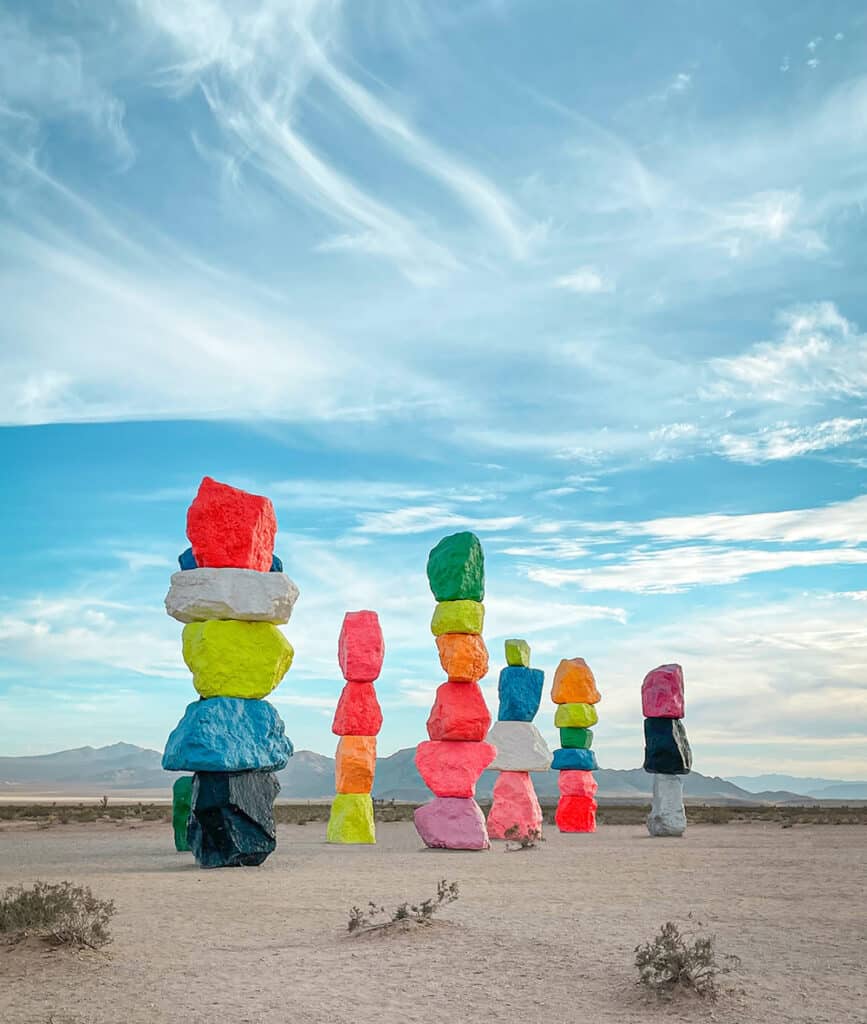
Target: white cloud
{"type": "Point", "coordinates": [788, 442]}
{"type": "Point", "coordinates": [585, 281]}
{"type": "Point", "coordinates": [424, 518]}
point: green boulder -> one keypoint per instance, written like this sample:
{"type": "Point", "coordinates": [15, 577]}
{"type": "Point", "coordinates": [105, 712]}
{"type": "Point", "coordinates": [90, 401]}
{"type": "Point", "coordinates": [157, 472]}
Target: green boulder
{"type": "Point", "coordinates": [458, 617]}
{"type": "Point", "coordinates": [456, 569]}
{"type": "Point", "coordinates": [581, 739]}
{"type": "Point", "coordinates": [518, 653]}
{"type": "Point", "coordinates": [182, 798]}
{"type": "Point", "coordinates": [351, 819]}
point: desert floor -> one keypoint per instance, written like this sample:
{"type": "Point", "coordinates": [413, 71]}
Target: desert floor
{"type": "Point", "coordinates": [537, 935]}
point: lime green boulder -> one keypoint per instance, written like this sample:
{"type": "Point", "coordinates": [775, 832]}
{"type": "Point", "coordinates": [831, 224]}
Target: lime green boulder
{"type": "Point", "coordinates": [518, 653]}
{"type": "Point", "coordinates": [581, 739]}
{"type": "Point", "coordinates": [351, 819]}
{"type": "Point", "coordinates": [458, 617]}
{"type": "Point", "coordinates": [236, 659]}
{"type": "Point", "coordinates": [182, 798]}
{"type": "Point", "coordinates": [575, 716]}
{"type": "Point", "coordinates": [456, 569]}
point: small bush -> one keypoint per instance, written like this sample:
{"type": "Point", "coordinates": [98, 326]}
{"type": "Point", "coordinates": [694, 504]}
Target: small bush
{"type": "Point", "coordinates": [673, 961]}
{"type": "Point", "coordinates": [419, 913]}
{"type": "Point", "coordinates": [516, 840]}
{"type": "Point", "coordinates": [64, 914]}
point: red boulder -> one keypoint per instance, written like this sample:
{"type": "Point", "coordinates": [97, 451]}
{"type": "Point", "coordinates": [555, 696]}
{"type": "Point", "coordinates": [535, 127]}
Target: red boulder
{"type": "Point", "coordinates": [662, 692]}
{"type": "Point", "coordinates": [453, 769]}
{"type": "Point", "coordinates": [361, 648]}
{"type": "Point", "coordinates": [358, 712]}
{"type": "Point", "coordinates": [231, 529]}
{"type": "Point", "coordinates": [576, 814]}
{"type": "Point", "coordinates": [459, 713]}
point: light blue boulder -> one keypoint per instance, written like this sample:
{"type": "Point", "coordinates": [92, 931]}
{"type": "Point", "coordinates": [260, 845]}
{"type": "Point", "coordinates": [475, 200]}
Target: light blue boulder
{"type": "Point", "coordinates": [228, 734]}
{"type": "Point", "coordinates": [569, 759]}
{"type": "Point", "coordinates": [520, 691]}
{"type": "Point", "coordinates": [187, 560]}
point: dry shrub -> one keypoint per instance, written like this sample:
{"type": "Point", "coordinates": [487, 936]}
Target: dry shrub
{"type": "Point", "coordinates": [673, 962]}
{"type": "Point", "coordinates": [518, 840]}
{"type": "Point", "coordinates": [371, 919]}
{"type": "Point", "coordinates": [62, 913]}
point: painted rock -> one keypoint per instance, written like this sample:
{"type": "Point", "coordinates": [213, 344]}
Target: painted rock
{"type": "Point", "coordinates": [235, 659]}
{"type": "Point", "coordinates": [574, 759]}
{"type": "Point", "coordinates": [463, 656]}
{"type": "Point", "coordinates": [662, 692]}
{"type": "Point", "coordinates": [361, 647]}
{"type": "Point", "coordinates": [576, 814]}
{"type": "Point", "coordinates": [355, 764]}
{"type": "Point", "coordinates": [575, 716]}
{"type": "Point", "coordinates": [459, 713]}
{"type": "Point", "coordinates": [456, 569]}
{"type": "Point", "coordinates": [520, 690]}
{"type": "Point", "coordinates": [197, 595]}
{"type": "Point", "coordinates": [581, 738]}
{"type": "Point", "coordinates": [227, 734]}
{"type": "Point", "coordinates": [187, 560]}
{"type": "Point", "coordinates": [667, 816]}
{"type": "Point", "coordinates": [358, 712]}
{"type": "Point", "coordinates": [520, 748]}
{"type": "Point", "coordinates": [351, 819]}
{"type": "Point", "coordinates": [232, 818]}
{"type": "Point", "coordinates": [515, 812]}
{"type": "Point", "coordinates": [182, 796]}
{"type": "Point", "coordinates": [666, 748]}
{"type": "Point", "coordinates": [276, 564]}
{"type": "Point", "coordinates": [577, 783]}
{"type": "Point", "coordinates": [457, 617]}
{"type": "Point", "coordinates": [518, 653]}
{"type": "Point", "coordinates": [452, 769]}
{"type": "Point", "coordinates": [229, 528]}
{"type": "Point", "coordinates": [452, 823]}
{"type": "Point", "coordinates": [574, 683]}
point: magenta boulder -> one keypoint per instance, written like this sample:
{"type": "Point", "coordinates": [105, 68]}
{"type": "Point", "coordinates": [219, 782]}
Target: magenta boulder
{"type": "Point", "coordinates": [452, 823]}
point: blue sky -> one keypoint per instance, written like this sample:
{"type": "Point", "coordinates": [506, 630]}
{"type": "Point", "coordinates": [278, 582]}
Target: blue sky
{"type": "Point", "coordinates": [586, 278]}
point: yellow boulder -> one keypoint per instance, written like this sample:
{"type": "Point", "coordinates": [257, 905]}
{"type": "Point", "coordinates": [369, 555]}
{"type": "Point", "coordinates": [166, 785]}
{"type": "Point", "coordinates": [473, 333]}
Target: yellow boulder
{"type": "Point", "coordinates": [575, 716]}
{"type": "Point", "coordinates": [236, 659]}
{"type": "Point", "coordinates": [351, 819]}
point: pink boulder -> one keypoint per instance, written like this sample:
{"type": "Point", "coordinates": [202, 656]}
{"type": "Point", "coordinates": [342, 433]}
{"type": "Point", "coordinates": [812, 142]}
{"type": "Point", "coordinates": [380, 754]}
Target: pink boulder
{"type": "Point", "coordinates": [231, 529]}
{"type": "Point", "coordinates": [453, 769]}
{"type": "Point", "coordinates": [459, 713]}
{"type": "Point", "coordinates": [662, 692]}
{"type": "Point", "coordinates": [358, 712]}
{"type": "Point", "coordinates": [576, 814]}
{"type": "Point", "coordinates": [576, 783]}
{"type": "Point", "coordinates": [452, 823]}
{"type": "Point", "coordinates": [361, 648]}
{"type": "Point", "coordinates": [515, 812]}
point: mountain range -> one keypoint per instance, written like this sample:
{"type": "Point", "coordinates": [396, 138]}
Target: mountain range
{"type": "Point", "coordinates": [310, 776]}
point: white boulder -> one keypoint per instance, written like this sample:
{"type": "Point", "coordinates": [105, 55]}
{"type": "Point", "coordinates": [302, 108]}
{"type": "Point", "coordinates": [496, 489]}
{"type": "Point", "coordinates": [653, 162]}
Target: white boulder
{"type": "Point", "coordinates": [520, 748]}
{"type": "Point", "coordinates": [667, 816]}
{"type": "Point", "coordinates": [197, 595]}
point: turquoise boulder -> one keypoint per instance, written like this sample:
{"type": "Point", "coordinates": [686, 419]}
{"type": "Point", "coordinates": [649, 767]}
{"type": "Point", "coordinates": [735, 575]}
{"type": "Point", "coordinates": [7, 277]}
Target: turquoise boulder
{"type": "Point", "coordinates": [574, 759]}
{"type": "Point", "coordinates": [520, 690]}
{"type": "Point", "coordinates": [228, 734]}
{"type": "Point", "coordinates": [187, 560]}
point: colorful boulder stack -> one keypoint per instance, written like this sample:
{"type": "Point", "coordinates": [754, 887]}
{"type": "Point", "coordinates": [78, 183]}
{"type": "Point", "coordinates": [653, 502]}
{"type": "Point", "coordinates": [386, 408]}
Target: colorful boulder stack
{"type": "Point", "coordinates": [515, 812]}
{"type": "Point", "coordinates": [231, 593]}
{"type": "Point", "coordinates": [575, 693]}
{"type": "Point", "coordinates": [456, 754]}
{"type": "Point", "coordinates": [667, 754]}
{"type": "Point", "coordinates": [357, 721]}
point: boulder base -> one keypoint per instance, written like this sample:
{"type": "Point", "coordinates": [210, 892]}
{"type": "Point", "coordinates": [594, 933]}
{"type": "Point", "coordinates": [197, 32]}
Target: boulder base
{"type": "Point", "coordinates": [236, 659]}
{"type": "Point", "coordinates": [662, 692]}
{"type": "Point", "coordinates": [575, 716]}
{"type": "Point", "coordinates": [578, 759]}
{"type": "Point", "coordinates": [463, 656]}
{"type": "Point", "coordinates": [576, 814]}
{"type": "Point", "coordinates": [457, 617]}
{"type": "Point", "coordinates": [200, 594]}
{"type": "Point", "coordinates": [574, 683]}
{"type": "Point", "coordinates": [452, 823]}
{"type": "Point", "coordinates": [232, 818]}
{"type": "Point", "coordinates": [667, 815]}
{"type": "Point", "coordinates": [355, 764]}
{"type": "Point", "coordinates": [580, 738]}
{"type": "Point", "coordinates": [515, 812]}
{"type": "Point", "coordinates": [456, 569]}
{"type": "Point", "coordinates": [182, 798]}
{"type": "Point", "coordinates": [520, 747]}
{"type": "Point", "coordinates": [361, 648]}
{"type": "Point", "coordinates": [229, 528]}
{"type": "Point", "coordinates": [577, 783]}
{"type": "Point", "coordinates": [518, 653]}
{"type": "Point", "coordinates": [452, 769]}
{"type": "Point", "coordinates": [459, 713]}
{"type": "Point", "coordinates": [351, 819]}
{"type": "Point", "coordinates": [666, 748]}
{"type": "Point", "coordinates": [358, 712]}
{"type": "Point", "coordinates": [520, 691]}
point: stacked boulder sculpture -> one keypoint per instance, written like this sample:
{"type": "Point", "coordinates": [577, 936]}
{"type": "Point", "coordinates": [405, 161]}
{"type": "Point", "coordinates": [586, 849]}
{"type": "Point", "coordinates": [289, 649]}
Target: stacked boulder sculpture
{"type": "Point", "coordinates": [454, 757]}
{"type": "Point", "coordinates": [667, 754]}
{"type": "Point", "coordinates": [357, 721]}
{"type": "Point", "coordinates": [515, 812]}
{"type": "Point", "coordinates": [231, 594]}
{"type": "Point", "coordinates": [575, 694]}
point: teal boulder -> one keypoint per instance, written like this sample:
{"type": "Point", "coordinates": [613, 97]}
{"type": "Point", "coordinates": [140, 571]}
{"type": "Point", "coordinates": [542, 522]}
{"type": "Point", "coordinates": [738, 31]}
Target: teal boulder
{"type": "Point", "coordinates": [571, 759]}
{"type": "Point", "coordinates": [456, 568]}
{"type": "Point", "coordinates": [520, 692]}
{"type": "Point", "coordinates": [575, 737]}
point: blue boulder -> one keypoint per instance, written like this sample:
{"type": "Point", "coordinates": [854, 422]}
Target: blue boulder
{"type": "Point", "coordinates": [574, 759]}
{"type": "Point", "coordinates": [228, 734]}
{"type": "Point", "coordinates": [520, 693]}
{"type": "Point", "coordinates": [276, 564]}
{"type": "Point", "coordinates": [186, 560]}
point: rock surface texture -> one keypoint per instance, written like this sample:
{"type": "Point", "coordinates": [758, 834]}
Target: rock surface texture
{"type": "Point", "coordinates": [452, 823]}
{"type": "Point", "coordinates": [520, 747]}
{"type": "Point", "coordinates": [463, 656]}
{"type": "Point", "coordinates": [244, 594]}
{"type": "Point", "coordinates": [229, 528]}
{"type": "Point", "coordinates": [351, 819]}
{"type": "Point", "coordinates": [666, 748]}
{"type": "Point", "coordinates": [361, 647]}
{"type": "Point", "coordinates": [662, 692]}
{"type": "Point", "coordinates": [459, 713]}
{"type": "Point", "coordinates": [515, 812]}
{"type": "Point", "coordinates": [667, 815]}
{"type": "Point", "coordinates": [452, 769]}
{"type": "Point", "coordinates": [358, 712]}
{"type": "Point", "coordinates": [456, 569]}
{"type": "Point", "coordinates": [458, 617]}
{"type": "Point", "coordinates": [236, 659]}
{"type": "Point", "coordinates": [520, 692]}
{"type": "Point", "coordinates": [232, 818]}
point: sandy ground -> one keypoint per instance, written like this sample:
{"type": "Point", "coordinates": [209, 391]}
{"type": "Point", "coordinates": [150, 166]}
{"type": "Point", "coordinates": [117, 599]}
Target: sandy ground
{"type": "Point", "coordinates": [539, 935]}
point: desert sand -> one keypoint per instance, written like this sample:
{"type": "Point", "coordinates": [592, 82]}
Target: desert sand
{"type": "Point", "coordinates": [537, 935]}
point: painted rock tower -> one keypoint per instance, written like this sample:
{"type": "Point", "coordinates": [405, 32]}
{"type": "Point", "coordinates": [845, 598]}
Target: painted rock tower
{"type": "Point", "coordinates": [667, 754]}
{"type": "Point", "coordinates": [575, 693]}
{"type": "Point", "coordinates": [357, 722]}
{"type": "Point", "coordinates": [231, 594]}
{"type": "Point", "coordinates": [515, 812]}
{"type": "Point", "coordinates": [456, 754]}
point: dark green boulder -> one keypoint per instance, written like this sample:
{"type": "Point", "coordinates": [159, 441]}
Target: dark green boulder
{"type": "Point", "coordinates": [232, 818]}
{"type": "Point", "coordinates": [456, 568]}
{"type": "Point", "coordinates": [182, 795]}
{"type": "Point", "coordinates": [580, 739]}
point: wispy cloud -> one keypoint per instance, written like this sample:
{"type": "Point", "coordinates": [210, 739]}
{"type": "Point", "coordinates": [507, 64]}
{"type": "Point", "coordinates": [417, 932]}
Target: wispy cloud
{"type": "Point", "coordinates": [426, 518]}
{"type": "Point", "coordinates": [585, 281]}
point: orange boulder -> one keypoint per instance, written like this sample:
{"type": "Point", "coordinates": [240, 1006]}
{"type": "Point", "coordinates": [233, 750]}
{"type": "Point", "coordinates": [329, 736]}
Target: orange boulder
{"type": "Point", "coordinates": [574, 683]}
{"type": "Point", "coordinates": [355, 764]}
{"type": "Point", "coordinates": [463, 656]}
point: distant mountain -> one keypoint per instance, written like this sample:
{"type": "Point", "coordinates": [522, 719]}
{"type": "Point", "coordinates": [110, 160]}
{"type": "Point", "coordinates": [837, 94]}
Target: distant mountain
{"type": "Point", "coordinates": [820, 789]}
{"type": "Point", "coordinates": [119, 766]}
